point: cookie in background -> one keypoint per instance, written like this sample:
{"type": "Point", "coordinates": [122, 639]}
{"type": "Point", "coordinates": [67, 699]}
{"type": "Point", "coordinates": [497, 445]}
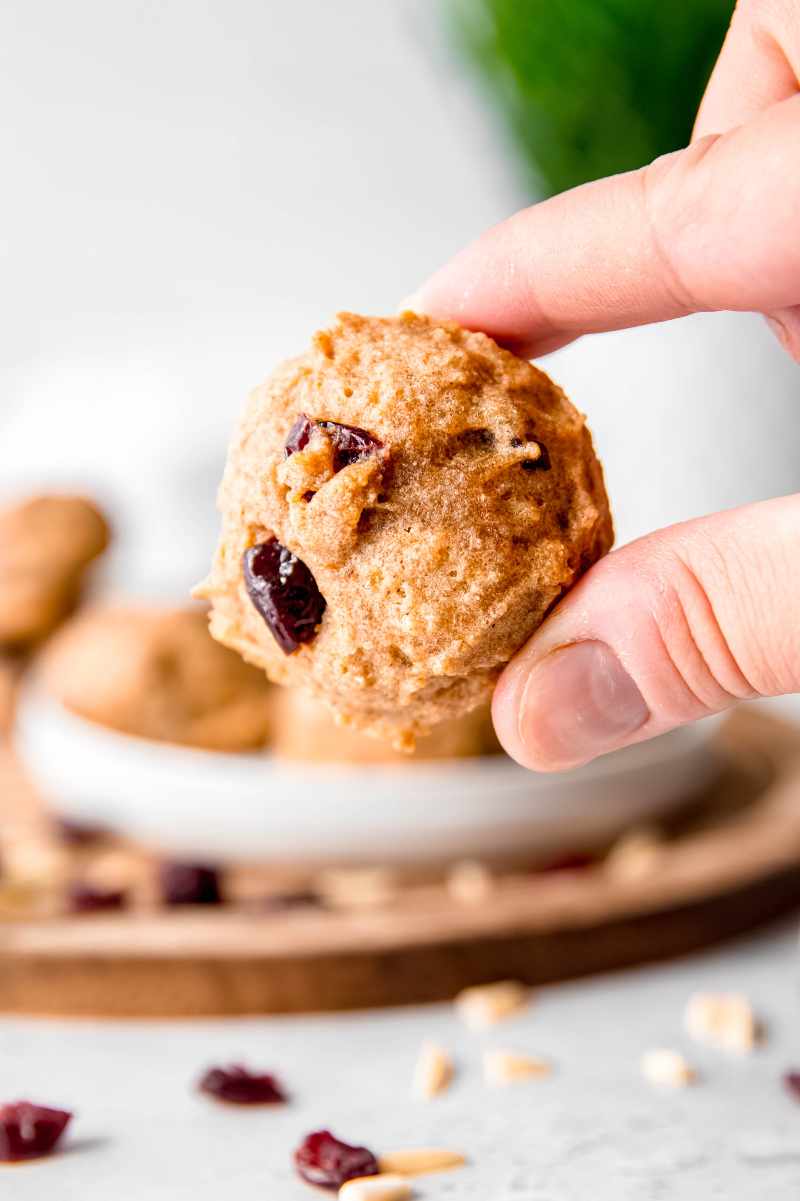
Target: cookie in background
{"type": "Point", "coordinates": [156, 672]}
{"type": "Point", "coordinates": [47, 544]}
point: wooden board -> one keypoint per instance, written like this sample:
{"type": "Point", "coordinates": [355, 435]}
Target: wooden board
{"type": "Point", "coordinates": [732, 863]}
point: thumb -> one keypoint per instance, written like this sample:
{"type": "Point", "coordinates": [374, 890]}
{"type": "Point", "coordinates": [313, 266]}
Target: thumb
{"type": "Point", "coordinates": [674, 627]}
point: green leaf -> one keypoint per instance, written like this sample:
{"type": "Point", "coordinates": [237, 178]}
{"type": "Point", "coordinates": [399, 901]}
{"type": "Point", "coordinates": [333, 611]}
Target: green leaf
{"type": "Point", "coordinates": [592, 87]}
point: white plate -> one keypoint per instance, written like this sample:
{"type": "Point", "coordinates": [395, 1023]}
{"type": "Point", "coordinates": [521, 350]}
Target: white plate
{"type": "Point", "coordinates": [207, 804]}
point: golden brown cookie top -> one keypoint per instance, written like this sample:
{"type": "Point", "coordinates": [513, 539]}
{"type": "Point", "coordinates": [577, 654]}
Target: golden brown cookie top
{"type": "Point", "coordinates": [435, 495]}
{"type": "Point", "coordinates": [157, 673]}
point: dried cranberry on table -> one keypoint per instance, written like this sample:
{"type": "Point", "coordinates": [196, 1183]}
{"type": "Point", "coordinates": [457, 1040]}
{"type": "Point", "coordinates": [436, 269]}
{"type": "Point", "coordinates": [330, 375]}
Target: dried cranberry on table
{"type": "Point", "coordinates": [239, 1086]}
{"type": "Point", "coordinates": [284, 592]}
{"type": "Point", "coordinates": [83, 898]}
{"type": "Point", "coordinates": [792, 1082]}
{"type": "Point", "coordinates": [79, 834]}
{"type": "Point", "coordinates": [28, 1131]}
{"type": "Point", "coordinates": [189, 884]}
{"type": "Point", "coordinates": [326, 1161]}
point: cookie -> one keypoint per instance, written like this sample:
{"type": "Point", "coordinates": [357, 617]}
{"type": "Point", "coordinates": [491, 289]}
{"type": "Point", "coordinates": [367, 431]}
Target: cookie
{"type": "Point", "coordinates": [158, 674]}
{"type": "Point", "coordinates": [401, 507]}
{"type": "Point", "coordinates": [46, 545]}
{"type": "Point", "coordinates": [305, 731]}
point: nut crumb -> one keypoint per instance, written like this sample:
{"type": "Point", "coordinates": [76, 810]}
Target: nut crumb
{"type": "Point", "coordinates": [469, 882]}
{"type": "Point", "coordinates": [663, 1066]}
{"type": "Point", "coordinates": [724, 1020]}
{"type": "Point", "coordinates": [485, 1004]}
{"type": "Point", "coordinates": [417, 1161]}
{"type": "Point", "coordinates": [376, 1188]}
{"type": "Point", "coordinates": [357, 887]}
{"type": "Point", "coordinates": [635, 855]}
{"type": "Point", "coordinates": [433, 1073]}
{"type": "Point", "coordinates": [508, 1067]}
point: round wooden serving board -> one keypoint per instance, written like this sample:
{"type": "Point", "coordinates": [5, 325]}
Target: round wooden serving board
{"type": "Point", "coordinates": [731, 866]}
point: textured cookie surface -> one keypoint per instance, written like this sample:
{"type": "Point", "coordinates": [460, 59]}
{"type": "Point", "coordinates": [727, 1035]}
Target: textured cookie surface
{"type": "Point", "coordinates": [435, 495]}
{"type": "Point", "coordinates": [156, 673]}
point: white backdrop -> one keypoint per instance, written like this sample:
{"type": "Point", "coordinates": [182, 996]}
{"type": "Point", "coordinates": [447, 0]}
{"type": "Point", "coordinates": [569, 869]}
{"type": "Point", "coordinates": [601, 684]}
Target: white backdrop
{"type": "Point", "coordinates": [190, 187]}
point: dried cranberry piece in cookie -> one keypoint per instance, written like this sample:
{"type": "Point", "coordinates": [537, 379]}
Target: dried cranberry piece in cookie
{"type": "Point", "coordinates": [350, 444]}
{"type": "Point", "coordinates": [324, 1160]}
{"type": "Point", "coordinates": [284, 592]}
{"type": "Point", "coordinates": [298, 436]}
{"type": "Point", "coordinates": [28, 1131]}
{"type": "Point", "coordinates": [238, 1086]}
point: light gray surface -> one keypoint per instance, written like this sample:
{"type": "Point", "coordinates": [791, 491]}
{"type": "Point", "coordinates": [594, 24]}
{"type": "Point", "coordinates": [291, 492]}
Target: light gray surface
{"type": "Point", "coordinates": [594, 1132]}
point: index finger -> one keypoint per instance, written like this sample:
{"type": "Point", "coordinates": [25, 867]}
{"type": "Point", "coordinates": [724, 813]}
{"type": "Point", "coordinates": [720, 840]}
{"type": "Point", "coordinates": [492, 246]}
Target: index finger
{"type": "Point", "coordinates": [709, 227]}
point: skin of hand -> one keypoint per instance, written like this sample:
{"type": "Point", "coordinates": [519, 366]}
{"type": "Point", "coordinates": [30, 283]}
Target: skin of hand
{"type": "Point", "coordinates": [691, 619]}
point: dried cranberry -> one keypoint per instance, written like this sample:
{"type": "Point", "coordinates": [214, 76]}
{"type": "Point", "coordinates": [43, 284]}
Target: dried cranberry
{"type": "Point", "coordinates": [349, 442]}
{"type": "Point", "coordinates": [299, 435]}
{"type": "Point", "coordinates": [284, 592]}
{"type": "Point", "coordinates": [189, 884]}
{"type": "Point", "coordinates": [578, 861]}
{"type": "Point", "coordinates": [323, 1160]}
{"type": "Point", "coordinates": [28, 1131]}
{"type": "Point", "coordinates": [241, 1087]}
{"type": "Point", "coordinates": [82, 898]}
{"type": "Point", "coordinates": [792, 1082]}
{"type": "Point", "coordinates": [79, 834]}
{"type": "Point", "coordinates": [278, 902]}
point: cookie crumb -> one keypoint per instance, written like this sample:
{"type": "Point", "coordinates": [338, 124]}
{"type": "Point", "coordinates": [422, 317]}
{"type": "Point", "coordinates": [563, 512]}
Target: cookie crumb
{"type": "Point", "coordinates": [724, 1020]}
{"type": "Point", "coordinates": [417, 1161]}
{"type": "Point", "coordinates": [663, 1066]}
{"type": "Point", "coordinates": [486, 1004]}
{"type": "Point", "coordinates": [508, 1067]}
{"type": "Point", "coordinates": [433, 1073]}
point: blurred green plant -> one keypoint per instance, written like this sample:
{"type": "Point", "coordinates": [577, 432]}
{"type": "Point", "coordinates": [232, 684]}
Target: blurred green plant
{"type": "Point", "coordinates": [592, 87]}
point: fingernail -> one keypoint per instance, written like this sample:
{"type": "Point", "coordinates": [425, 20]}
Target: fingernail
{"type": "Point", "coordinates": [411, 304]}
{"type": "Point", "coordinates": [576, 703]}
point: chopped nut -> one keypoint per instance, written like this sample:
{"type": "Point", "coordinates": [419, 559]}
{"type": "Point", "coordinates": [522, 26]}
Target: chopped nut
{"type": "Point", "coordinates": [114, 869]}
{"type": "Point", "coordinates": [724, 1020]}
{"type": "Point", "coordinates": [376, 1188]}
{"type": "Point", "coordinates": [469, 882]}
{"type": "Point", "coordinates": [433, 1073]}
{"type": "Point", "coordinates": [486, 1004]}
{"type": "Point", "coordinates": [417, 1161]}
{"type": "Point", "coordinates": [663, 1066]}
{"type": "Point", "coordinates": [635, 855]}
{"type": "Point", "coordinates": [357, 888]}
{"type": "Point", "coordinates": [507, 1067]}
{"type": "Point", "coordinates": [35, 861]}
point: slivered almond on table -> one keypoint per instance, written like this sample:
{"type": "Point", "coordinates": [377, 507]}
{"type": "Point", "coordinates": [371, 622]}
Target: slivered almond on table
{"type": "Point", "coordinates": [724, 1020]}
{"type": "Point", "coordinates": [417, 1161]}
{"type": "Point", "coordinates": [509, 1067]}
{"type": "Point", "coordinates": [663, 1066]}
{"type": "Point", "coordinates": [486, 1004]}
{"type": "Point", "coordinates": [433, 1072]}
{"type": "Point", "coordinates": [376, 1188]}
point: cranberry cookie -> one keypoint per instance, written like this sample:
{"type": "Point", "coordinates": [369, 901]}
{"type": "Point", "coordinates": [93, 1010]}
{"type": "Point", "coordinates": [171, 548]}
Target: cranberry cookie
{"type": "Point", "coordinates": [401, 506]}
{"type": "Point", "coordinates": [157, 673]}
{"type": "Point", "coordinates": [46, 545]}
{"type": "Point", "coordinates": [304, 730]}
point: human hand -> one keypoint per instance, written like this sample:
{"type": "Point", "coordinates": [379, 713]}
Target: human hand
{"type": "Point", "coordinates": [691, 619]}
